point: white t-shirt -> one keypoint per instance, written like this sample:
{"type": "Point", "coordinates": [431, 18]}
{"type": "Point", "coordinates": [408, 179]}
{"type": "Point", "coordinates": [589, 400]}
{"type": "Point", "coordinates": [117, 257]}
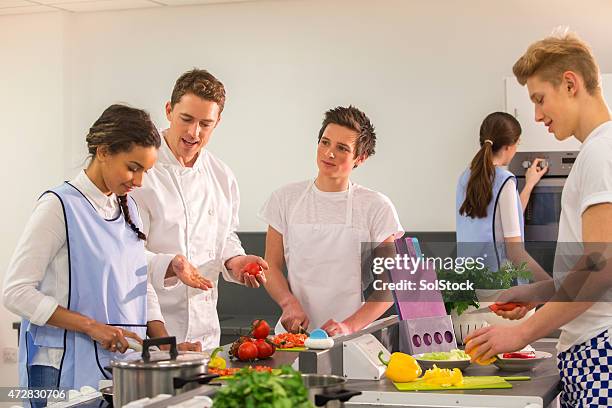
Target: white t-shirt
{"type": "Point", "coordinates": [507, 213]}
{"type": "Point", "coordinates": [589, 183]}
{"type": "Point", "coordinates": [372, 211]}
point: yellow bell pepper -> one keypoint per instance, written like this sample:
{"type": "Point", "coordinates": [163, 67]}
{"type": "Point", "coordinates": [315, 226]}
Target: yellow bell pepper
{"type": "Point", "coordinates": [401, 367]}
{"type": "Point", "coordinates": [473, 351]}
{"type": "Point", "coordinates": [443, 376]}
{"type": "Point", "coordinates": [215, 361]}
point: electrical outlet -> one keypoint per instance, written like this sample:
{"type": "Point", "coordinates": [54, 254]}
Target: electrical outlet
{"type": "Point", "coordinates": [10, 355]}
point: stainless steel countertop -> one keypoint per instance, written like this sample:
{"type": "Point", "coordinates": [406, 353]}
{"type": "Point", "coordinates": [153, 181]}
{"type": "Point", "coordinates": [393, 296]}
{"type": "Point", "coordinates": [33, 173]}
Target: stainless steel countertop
{"type": "Point", "coordinates": [543, 386]}
{"type": "Point", "coordinates": [544, 383]}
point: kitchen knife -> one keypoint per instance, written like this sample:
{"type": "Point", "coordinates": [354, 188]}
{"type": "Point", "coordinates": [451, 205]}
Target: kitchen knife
{"type": "Point", "coordinates": [506, 307]}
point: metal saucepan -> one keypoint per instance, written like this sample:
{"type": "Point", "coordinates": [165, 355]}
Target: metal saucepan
{"type": "Point", "coordinates": [327, 390]}
{"type": "Point", "coordinates": [150, 373]}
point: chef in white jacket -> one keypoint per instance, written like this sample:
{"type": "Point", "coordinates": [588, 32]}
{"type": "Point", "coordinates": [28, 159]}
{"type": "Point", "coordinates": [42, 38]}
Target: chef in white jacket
{"type": "Point", "coordinates": [190, 206]}
{"type": "Point", "coordinates": [317, 228]}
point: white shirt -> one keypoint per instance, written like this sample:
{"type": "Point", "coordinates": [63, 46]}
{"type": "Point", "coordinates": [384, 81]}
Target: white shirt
{"type": "Point", "coordinates": [36, 281]}
{"type": "Point", "coordinates": [589, 183]}
{"type": "Point", "coordinates": [372, 211]}
{"type": "Point", "coordinates": [507, 212]}
{"type": "Point", "coordinates": [191, 211]}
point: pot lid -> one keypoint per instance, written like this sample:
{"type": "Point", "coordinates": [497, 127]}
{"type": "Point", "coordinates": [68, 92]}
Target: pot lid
{"type": "Point", "coordinates": [160, 360]}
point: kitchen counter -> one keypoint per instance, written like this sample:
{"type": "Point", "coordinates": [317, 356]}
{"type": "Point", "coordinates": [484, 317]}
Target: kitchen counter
{"type": "Point", "coordinates": [540, 391]}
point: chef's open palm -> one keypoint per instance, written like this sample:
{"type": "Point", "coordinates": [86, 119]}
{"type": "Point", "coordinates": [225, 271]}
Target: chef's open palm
{"type": "Point", "coordinates": [188, 274]}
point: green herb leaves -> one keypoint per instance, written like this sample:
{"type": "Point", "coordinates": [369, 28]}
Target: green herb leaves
{"type": "Point", "coordinates": [251, 389]}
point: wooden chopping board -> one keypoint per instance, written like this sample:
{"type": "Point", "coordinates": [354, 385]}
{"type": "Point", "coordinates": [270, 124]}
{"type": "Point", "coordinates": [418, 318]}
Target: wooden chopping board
{"type": "Point", "coordinates": [469, 383]}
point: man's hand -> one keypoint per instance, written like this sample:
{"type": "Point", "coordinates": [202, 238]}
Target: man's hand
{"type": "Point", "coordinates": [334, 328]}
{"type": "Point", "coordinates": [236, 266]}
{"type": "Point", "coordinates": [492, 340]}
{"type": "Point", "coordinates": [187, 273]}
{"type": "Point", "coordinates": [524, 294]}
{"type": "Point", "coordinates": [185, 346]}
{"type": "Point", "coordinates": [294, 317]}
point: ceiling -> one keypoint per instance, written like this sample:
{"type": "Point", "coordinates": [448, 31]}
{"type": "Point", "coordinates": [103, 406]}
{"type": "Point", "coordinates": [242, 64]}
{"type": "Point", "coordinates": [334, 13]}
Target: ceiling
{"type": "Point", "coordinates": [84, 6]}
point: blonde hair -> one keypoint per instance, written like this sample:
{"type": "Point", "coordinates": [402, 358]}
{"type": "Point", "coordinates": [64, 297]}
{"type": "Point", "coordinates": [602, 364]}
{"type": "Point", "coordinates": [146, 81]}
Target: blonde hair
{"type": "Point", "coordinates": [551, 57]}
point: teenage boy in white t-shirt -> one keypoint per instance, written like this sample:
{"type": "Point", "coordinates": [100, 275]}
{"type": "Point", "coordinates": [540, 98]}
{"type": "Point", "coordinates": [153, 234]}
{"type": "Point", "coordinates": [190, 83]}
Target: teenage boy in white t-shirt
{"type": "Point", "coordinates": [563, 81]}
{"type": "Point", "coordinates": [317, 228]}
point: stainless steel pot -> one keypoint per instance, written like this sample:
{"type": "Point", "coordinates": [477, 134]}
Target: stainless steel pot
{"type": "Point", "coordinates": [150, 373]}
{"type": "Point", "coordinates": [327, 390]}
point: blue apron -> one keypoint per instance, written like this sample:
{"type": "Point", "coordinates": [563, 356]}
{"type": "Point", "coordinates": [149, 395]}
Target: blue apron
{"type": "Point", "coordinates": [107, 282]}
{"type": "Point", "coordinates": [477, 236]}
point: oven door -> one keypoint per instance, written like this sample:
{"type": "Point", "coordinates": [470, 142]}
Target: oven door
{"type": "Point", "coordinates": [544, 209]}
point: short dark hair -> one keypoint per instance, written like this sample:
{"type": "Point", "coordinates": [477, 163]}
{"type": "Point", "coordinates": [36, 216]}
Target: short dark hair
{"type": "Point", "coordinates": [354, 119]}
{"type": "Point", "coordinates": [201, 83]}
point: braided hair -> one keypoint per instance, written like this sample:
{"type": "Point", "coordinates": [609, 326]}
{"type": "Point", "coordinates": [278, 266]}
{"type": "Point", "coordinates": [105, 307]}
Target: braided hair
{"type": "Point", "coordinates": [118, 129]}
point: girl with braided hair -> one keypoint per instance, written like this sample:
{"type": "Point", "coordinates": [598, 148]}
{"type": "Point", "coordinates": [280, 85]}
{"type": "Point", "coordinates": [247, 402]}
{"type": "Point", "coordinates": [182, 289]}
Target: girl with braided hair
{"type": "Point", "coordinates": [317, 227]}
{"type": "Point", "coordinates": [78, 277]}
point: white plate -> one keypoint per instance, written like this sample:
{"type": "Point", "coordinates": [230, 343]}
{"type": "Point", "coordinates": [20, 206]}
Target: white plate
{"type": "Point", "coordinates": [427, 364]}
{"type": "Point", "coordinates": [521, 364]}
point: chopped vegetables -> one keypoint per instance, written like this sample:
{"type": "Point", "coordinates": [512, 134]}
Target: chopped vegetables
{"type": "Point", "coordinates": [289, 340]}
{"type": "Point", "coordinates": [216, 361]}
{"type": "Point", "coordinates": [520, 354]}
{"type": "Point", "coordinates": [443, 377]}
{"type": "Point", "coordinates": [230, 371]}
{"type": "Point", "coordinates": [453, 355]}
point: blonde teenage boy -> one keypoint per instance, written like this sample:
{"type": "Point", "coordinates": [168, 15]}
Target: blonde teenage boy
{"type": "Point", "coordinates": [563, 81]}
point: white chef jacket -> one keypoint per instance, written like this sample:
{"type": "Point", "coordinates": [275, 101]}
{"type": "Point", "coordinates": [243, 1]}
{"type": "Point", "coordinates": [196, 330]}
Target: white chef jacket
{"type": "Point", "coordinates": [191, 211]}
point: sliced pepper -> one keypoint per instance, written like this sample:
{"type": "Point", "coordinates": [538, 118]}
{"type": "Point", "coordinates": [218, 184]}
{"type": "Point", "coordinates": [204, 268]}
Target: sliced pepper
{"type": "Point", "coordinates": [443, 376]}
{"type": "Point", "coordinates": [401, 367]}
{"type": "Point", "coordinates": [519, 354]}
{"type": "Point", "coordinates": [215, 361]}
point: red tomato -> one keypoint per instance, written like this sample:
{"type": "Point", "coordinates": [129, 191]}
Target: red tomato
{"type": "Point", "coordinates": [252, 268]}
{"type": "Point", "coordinates": [247, 351]}
{"type": "Point", "coordinates": [260, 329]}
{"type": "Point", "coordinates": [264, 349]}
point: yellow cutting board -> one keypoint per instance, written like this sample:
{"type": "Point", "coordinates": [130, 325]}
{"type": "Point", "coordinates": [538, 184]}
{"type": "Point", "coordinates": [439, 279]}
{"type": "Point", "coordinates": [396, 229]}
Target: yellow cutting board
{"type": "Point", "coordinates": [469, 383]}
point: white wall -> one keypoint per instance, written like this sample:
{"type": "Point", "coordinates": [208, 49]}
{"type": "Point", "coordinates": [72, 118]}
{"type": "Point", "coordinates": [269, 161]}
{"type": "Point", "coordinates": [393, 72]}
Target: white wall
{"type": "Point", "coordinates": [32, 136]}
{"type": "Point", "coordinates": [426, 72]}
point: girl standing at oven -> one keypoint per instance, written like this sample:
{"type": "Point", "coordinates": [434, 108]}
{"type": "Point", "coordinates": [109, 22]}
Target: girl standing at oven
{"type": "Point", "coordinates": [489, 217]}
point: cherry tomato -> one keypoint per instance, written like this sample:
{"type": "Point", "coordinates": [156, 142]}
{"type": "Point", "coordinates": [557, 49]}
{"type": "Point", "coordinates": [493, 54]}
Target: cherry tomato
{"type": "Point", "coordinates": [247, 351]}
{"type": "Point", "coordinates": [264, 349]}
{"type": "Point", "coordinates": [252, 268]}
{"type": "Point", "coordinates": [260, 329]}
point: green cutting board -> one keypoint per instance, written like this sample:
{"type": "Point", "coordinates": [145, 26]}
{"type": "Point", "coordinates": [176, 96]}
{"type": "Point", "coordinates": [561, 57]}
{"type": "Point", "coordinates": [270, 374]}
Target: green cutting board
{"type": "Point", "coordinates": [292, 349]}
{"type": "Point", "coordinates": [469, 383]}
